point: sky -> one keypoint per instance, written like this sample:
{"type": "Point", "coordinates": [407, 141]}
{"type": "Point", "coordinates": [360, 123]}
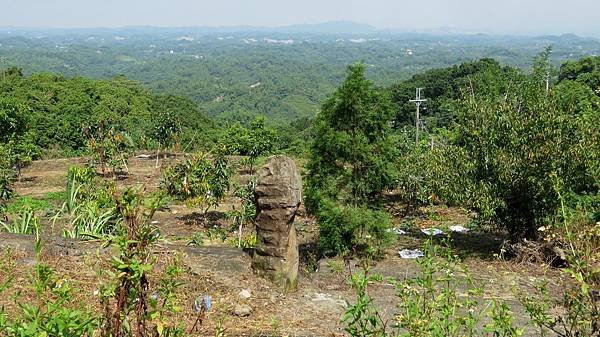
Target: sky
{"type": "Point", "coordinates": [487, 16]}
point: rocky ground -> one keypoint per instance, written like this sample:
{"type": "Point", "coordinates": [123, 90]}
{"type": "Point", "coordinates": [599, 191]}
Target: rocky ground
{"type": "Point", "coordinates": [244, 304]}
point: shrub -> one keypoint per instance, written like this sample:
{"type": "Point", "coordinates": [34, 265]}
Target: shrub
{"type": "Point", "coordinates": [7, 178]}
{"type": "Point", "coordinates": [442, 174]}
{"type": "Point", "coordinates": [198, 180]}
{"type": "Point", "coordinates": [165, 129]}
{"type": "Point", "coordinates": [351, 229]}
{"type": "Point", "coordinates": [246, 213]}
{"type": "Point", "coordinates": [108, 146]}
{"type": "Point", "coordinates": [129, 307]}
{"type": "Point", "coordinates": [53, 317]}
{"type": "Point", "coordinates": [513, 141]}
{"type": "Point", "coordinates": [362, 318]}
{"type": "Point", "coordinates": [257, 140]}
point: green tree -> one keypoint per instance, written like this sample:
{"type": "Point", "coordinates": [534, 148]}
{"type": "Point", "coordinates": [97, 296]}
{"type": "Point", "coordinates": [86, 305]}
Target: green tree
{"type": "Point", "coordinates": [585, 71]}
{"type": "Point", "coordinates": [258, 140]}
{"type": "Point", "coordinates": [236, 139]}
{"type": "Point", "coordinates": [13, 119]}
{"type": "Point", "coordinates": [108, 145]}
{"type": "Point", "coordinates": [262, 140]}
{"type": "Point", "coordinates": [7, 177]}
{"type": "Point", "coordinates": [199, 180]}
{"type": "Point", "coordinates": [442, 87]}
{"type": "Point", "coordinates": [165, 129]}
{"type": "Point", "coordinates": [519, 139]}
{"type": "Point", "coordinates": [15, 139]}
{"type": "Point", "coordinates": [351, 161]}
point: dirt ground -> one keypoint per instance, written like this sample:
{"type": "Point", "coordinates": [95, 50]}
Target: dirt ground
{"type": "Point", "coordinates": [221, 270]}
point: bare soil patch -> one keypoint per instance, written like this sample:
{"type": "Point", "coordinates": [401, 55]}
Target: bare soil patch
{"type": "Point", "coordinates": [221, 270]}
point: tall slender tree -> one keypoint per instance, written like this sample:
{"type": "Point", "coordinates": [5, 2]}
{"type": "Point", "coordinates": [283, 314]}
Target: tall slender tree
{"type": "Point", "coordinates": [351, 158]}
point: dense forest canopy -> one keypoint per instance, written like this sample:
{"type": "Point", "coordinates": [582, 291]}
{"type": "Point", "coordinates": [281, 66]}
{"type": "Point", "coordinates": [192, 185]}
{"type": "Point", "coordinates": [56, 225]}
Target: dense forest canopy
{"type": "Point", "coordinates": [51, 111]}
{"type": "Point", "coordinates": [283, 75]}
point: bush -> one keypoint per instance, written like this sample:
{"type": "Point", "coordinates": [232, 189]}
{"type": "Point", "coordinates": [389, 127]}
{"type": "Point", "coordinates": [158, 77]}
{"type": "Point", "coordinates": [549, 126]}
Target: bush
{"type": "Point", "coordinates": [246, 213]}
{"type": "Point", "coordinates": [257, 140]}
{"type": "Point", "coordinates": [505, 147]}
{"type": "Point", "coordinates": [14, 155]}
{"type": "Point", "coordinates": [108, 146]}
{"type": "Point", "coordinates": [198, 180]}
{"type": "Point", "coordinates": [442, 174]}
{"type": "Point", "coordinates": [351, 229]}
{"type": "Point", "coordinates": [53, 318]}
{"type": "Point", "coordinates": [7, 177]}
{"type": "Point", "coordinates": [536, 140]}
{"type": "Point", "coordinates": [130, 309]}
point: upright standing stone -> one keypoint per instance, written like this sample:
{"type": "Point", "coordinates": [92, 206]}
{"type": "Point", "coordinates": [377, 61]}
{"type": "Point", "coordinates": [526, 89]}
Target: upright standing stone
{"type": "Point", "coordinates": [278, 195]}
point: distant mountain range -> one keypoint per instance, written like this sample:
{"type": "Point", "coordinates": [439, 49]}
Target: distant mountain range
{"type": "Point", "coordinates": [336, 27]}
{"type": "Point", "coordinates": [326, 28]}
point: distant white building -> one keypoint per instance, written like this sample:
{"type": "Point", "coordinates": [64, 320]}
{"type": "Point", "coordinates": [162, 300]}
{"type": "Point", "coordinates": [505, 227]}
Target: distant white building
{"type": "Point", "coordinates": [268, 40]}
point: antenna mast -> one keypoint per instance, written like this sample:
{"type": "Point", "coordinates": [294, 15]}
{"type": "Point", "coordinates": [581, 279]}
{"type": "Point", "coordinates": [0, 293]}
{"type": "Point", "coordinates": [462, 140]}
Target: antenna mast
{"type": "Point", "coordinates": [418, 101]}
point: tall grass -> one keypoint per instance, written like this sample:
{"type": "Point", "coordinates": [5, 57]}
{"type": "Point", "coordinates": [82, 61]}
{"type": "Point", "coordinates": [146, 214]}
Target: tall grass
{"type": "Point", "coordinates": [87, 209]}
{"type": "Point", "coordinates": [25, 223]}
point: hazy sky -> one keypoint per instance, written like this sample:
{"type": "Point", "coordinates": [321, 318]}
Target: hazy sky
{"type": "Point", "coordinates": [502, 16]}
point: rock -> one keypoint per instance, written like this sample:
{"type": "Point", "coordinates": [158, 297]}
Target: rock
{"type": "Point", "coordinates": [244, 294]}
{"type": "Point", "coordinates": [278, 196]}
{"type": "Point", "coordinates": [242, 310]}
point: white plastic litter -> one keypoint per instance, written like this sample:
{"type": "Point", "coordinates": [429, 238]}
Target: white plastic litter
{"type": "Point", "coordinates": [396, 231]}
{"type": "Point", "coordinates": [459, 229]}
{"type": "Point", "coordinates": [431, 231]}
{"type": "Point", "coordinates": [411, 253]}
{"type": "Point", "coordinates": [144, 156]}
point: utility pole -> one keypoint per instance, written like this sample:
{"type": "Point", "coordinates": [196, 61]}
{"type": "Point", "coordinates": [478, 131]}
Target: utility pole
{"type": "Point", "coordinates": [418, 101]}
